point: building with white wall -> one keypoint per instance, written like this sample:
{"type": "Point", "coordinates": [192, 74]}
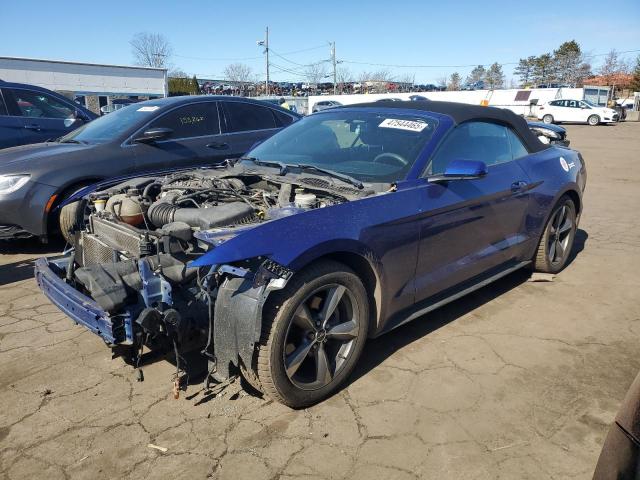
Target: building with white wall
{"type": "Point", "coordinates": [87, 82]}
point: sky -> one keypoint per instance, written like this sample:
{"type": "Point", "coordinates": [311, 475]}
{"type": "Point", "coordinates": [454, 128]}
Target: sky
{"type": "Point", "coordinates": [441, 37]}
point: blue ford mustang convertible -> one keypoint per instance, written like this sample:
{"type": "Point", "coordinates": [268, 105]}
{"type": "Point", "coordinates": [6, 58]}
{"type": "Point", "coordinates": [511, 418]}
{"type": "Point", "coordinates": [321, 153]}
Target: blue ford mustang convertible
{"type": "Point", "coordinates": [343, 226]}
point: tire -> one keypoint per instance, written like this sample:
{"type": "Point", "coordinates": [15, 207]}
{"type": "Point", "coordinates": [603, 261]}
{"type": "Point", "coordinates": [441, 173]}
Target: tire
{"type": "Point", "coordinates": [593, 120]}
{"type": "Point", "coordinates": [548, 118]}
{"type": "Point", "coordinates": [298, 379]}
{"type": "Point", "coordinates": [547, 259]}
{"type": "Point", "coordinates": [71, 217]}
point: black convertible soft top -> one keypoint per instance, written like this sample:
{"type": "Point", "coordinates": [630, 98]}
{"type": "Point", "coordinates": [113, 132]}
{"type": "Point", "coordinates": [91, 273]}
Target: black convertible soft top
{"type": "Point", "coordinates": [463, 112]}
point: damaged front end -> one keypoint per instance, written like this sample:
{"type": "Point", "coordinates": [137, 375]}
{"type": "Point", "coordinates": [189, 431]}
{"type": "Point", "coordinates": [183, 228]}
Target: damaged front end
{"type": "Point", "coordinates": [134, 277]}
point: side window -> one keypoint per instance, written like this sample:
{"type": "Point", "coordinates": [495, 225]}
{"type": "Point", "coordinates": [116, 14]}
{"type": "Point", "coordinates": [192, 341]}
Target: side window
{"type": "Point", "coordinates": [573, 104]}
{"type": "Point", "coordinates": [3, 106]}
{"type": "Point", "coordinates": [195, 120]}
{"type": "Point", "coordinates": [518, 150]}
{"type": "Point", "coordinates": [282, 119]}
{"type": "Point", "coordinates": [481, 141]}
{"type": "Point", "coordinates": [584, 105]}
{"type": "Point", "coordinates": [40, 105]}
{"type": "Point", "coordinates": [242, 117]}
{"type": "Point", "coordinates": [555, 103]}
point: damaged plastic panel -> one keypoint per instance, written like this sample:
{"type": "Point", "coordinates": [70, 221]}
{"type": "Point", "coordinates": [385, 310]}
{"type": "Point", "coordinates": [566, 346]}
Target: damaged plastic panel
{"type": "Point", "coordinates": [134, 258]}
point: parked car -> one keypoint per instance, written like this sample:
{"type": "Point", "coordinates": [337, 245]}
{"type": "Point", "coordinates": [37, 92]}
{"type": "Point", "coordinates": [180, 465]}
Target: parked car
{"type": "Point", "coordinates": [579, 111]}
{"type": "Point", "coordinates": [175, 132]}
{"type": "Point", "coordinates": [418, 98]}
{"type": "Point", "coordinates": [30, 114]}
{"type": "Point", "coordinates": [324, 104]}
{"type": "Point", "coordinates": [620, 455]}
{"type": "Point", "coordinates": [550, 133]}
{"type": "Point", "coordinates": [341, 227]}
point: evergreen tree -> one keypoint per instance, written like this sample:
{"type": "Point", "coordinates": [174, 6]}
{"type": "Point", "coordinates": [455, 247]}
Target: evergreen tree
{"type": "Point", "coordinates": [524, 70]}
{"type": "Point", "coordinates": [494, 77]}
{"type": "Point", "coordinates": [568, 64]}
{"type": "Point", "coordinates": [543, 69]}
{"type": "Point", "coordinates": [454, 81]}
{"type": "Point", "coordinates": [195, 88]}
{"type": "Point", "coordinates": [476, 75]}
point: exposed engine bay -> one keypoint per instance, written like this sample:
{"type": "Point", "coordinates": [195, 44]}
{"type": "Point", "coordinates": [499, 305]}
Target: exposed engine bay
{"type": "Point", "coordinates": [132, 256]}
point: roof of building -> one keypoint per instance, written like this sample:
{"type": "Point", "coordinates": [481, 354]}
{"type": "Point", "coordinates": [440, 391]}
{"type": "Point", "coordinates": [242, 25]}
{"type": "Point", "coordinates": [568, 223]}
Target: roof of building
{"type": "Point", "coordinates": [139, 67]}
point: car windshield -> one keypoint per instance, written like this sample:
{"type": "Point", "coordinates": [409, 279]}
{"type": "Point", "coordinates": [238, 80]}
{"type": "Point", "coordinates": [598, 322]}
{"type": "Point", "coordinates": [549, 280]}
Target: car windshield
{"type": "Point", "coordinates": [368, 146]}
{"type": "Point", "coordinates": [111, 126]}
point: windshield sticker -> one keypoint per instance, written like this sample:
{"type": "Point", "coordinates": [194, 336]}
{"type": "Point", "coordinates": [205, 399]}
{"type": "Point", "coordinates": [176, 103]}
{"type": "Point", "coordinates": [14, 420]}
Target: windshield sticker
{"type": "Point", "coordinates": [409, 125]}
{"type": "Point", "coordinates": [149, 108]}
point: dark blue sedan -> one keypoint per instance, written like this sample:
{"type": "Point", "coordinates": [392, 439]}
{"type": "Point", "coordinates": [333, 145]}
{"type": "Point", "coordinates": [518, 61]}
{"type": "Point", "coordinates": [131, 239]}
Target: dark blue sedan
{"type": "Point", "coordinates": [344, 226]}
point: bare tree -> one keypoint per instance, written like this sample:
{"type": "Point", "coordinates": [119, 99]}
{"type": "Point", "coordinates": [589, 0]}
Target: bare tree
{"type": "Point", "coordinates": [343, 76]}
{"type": "Point", "coordinates": [151, 50]}
{"type": "Point", "coordinates": [442, 83]}
{"type": "Point", "coordinates": [406, 82]}
{"type": "Point", "coordinates": [239, 75]}
{"type": "Point", "coordinates": [315, 72]}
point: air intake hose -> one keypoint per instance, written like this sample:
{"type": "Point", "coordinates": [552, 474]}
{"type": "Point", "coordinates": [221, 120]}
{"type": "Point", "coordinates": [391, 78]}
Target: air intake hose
{"type": "Point", "coordinates": [161, 213]}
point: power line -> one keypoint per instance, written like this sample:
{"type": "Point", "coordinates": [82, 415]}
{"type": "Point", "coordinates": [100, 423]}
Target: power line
{"type": "Point", "coordinates": [231, 59]}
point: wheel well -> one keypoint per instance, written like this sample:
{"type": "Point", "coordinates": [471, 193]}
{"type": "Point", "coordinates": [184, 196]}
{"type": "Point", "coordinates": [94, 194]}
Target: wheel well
{"type": "Point", "coordinates": [575, 198]}
{"type": "Point", "coordinates": [367, 274]}
{"type": "Point", "coordinates": [64, 193]}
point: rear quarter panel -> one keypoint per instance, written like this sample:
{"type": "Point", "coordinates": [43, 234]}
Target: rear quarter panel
{"type": "Point", "coordinates": [554, 172]}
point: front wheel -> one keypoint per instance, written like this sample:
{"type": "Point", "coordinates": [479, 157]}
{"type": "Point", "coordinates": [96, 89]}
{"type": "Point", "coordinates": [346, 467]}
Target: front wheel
{"type": "Point", "coordinates": [547, 119]}
{"type": "Point", "coordinates": [313, 333]}
{"type": "Point", "coordinates": [557, 238]}
{"type": "Point", "coordinates": [72, 217]}
{"type": "Point", "coordinates": [593, 120]}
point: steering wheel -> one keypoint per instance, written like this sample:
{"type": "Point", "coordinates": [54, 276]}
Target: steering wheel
{"type": "Point", "coordinates": [392, 156]}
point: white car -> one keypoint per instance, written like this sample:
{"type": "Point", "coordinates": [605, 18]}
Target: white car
{"type": "Point", "coordinates": [580, 111]}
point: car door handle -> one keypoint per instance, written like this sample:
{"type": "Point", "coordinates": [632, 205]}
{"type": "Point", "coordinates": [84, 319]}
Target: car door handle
{"type": "Point", "coordinates": [218, 146]}
{"type": "Point", "coordinates": [35, 127]}
{"type": "Point", "coordinates": [518, 186]}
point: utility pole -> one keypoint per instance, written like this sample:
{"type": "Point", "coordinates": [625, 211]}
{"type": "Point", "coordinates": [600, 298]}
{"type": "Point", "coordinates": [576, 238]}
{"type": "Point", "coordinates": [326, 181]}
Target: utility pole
{"type": "Point", "coordinates": [266, 50]}
{"type": "Point", "coordinates": [265, 44]}
{"type": "Point", "coordinates": [333, 60]}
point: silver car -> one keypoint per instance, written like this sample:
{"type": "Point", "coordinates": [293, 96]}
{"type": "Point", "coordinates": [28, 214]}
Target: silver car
{"type": "Point", "coordinates": [325, 104]}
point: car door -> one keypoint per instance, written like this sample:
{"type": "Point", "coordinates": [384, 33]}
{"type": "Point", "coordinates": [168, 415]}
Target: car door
{"type": "Point", "coordinates": [194, 138]}
{"type": "Point", "coordinates": [43, 116]}
{"type": "Point", "coordinates": [472, 226]}
{"type": "Point", "coordinates": [246, 124]}
{"type": "Point", "coordinates": [574, 112]}
{"type": "Point", "coordinates": [11, 126]}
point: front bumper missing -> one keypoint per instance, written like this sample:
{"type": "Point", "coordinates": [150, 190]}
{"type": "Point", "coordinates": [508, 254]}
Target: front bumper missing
{"type": "Point", "coordinates": [237, 314]}
{"type": "Point", "coordinates": [82, 309]}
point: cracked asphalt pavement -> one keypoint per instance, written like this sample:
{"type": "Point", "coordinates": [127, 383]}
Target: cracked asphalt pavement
{"type": "Point", "coordinates": [518, 380]}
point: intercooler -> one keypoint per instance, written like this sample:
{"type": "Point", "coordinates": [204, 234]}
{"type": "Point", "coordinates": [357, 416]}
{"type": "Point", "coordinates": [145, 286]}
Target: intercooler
{"type": "Point", "coordinates": [105, 237]}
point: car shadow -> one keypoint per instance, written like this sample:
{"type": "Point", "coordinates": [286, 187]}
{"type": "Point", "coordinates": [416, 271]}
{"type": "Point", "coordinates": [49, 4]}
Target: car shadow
{"type": "Point", "coordinates": [379, 349]}
{"type": "Point", "coordinates": [30, 249]}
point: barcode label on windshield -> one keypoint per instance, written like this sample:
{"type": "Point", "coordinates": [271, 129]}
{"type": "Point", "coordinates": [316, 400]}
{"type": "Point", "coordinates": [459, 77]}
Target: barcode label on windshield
{"type": "Point", "coordinates": [410, 125]}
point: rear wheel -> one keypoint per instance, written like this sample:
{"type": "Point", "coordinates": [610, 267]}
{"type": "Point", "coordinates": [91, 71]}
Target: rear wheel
{"type": "Point", "coordinates": [313, 333]}
{"type": "Point", "coordinates": [547, 118]}
{"type": "Point", "coordinates": [593, 120]}
{"type": "Point", "coordinates": [557, 238]}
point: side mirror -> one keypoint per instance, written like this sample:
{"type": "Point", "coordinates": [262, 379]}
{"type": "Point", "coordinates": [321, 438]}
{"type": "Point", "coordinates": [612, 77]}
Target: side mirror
{"type": "Point", "coordinates": [461, 170]}
{"type": "Point", "coordinates": [153, 135]}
